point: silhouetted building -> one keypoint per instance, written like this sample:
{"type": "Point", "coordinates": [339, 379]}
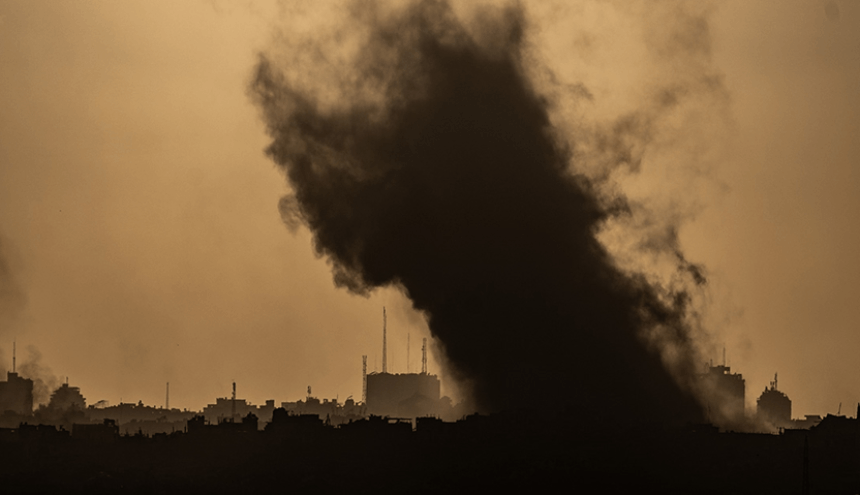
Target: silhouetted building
{"type": "Point", "coordinates": [16, 394]}
{"type": "Point", "coordinates": [198, 425]}
{"type": "Point", "coordinates": [125, 412]}
{"type": "Point", "coordinates": [104, 432]}
{"type": "Point", "coordinates": [67, 397]}
{"type": "Point", "coordinates": [329, 410]}
{"type": "Point", "coordinates": [807, 422]}
{"type": "Point", "coordinates": [286, 424]}
{"type": "Point", "coordinates": [264, 413]}
{"type": "Point", "coordinates": [774, 407]}
{"type": "Point", "coordinates": [725, 392]}
{"type": "Point", "coordinates": [133, 418]}
{"type": "Point", "coordinates": [228, 409]}
{"type": "Point", "coordinates": [402, 395]}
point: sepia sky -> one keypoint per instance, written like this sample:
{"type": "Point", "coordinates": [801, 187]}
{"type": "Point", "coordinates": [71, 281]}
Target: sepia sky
{"type": "Point", "coordinates": [139, 219]}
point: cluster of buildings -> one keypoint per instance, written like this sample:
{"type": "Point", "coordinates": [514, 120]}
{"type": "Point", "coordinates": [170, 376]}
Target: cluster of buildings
{"type": "Point", "coordinates": [400, 395]}
{"type": "Point", "coordinates": [392, 395]}
{"type": "Point", "coordinates": [726, 403]}
{"type": "Point", "coordinates": [396, 395]}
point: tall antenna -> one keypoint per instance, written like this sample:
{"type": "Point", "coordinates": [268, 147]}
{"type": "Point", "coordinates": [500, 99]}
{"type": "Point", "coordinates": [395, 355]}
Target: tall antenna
{"type": "Point", "coordinates": [364, 379]}
{"type": "Point", "coordinates": [424, 356]}
{"type": "Point", "coordinates": [233, 411]}
{"type": "Point", "coordinates": [14, 343]}
{"type": "Point", "coordinates": [407, 352]}
{"type": "Point", "coordinates": [167, 397]}
{"type": "Point", "coordinates": [724, 355]}
{"type": "Point", "coordinates": [384, 342]}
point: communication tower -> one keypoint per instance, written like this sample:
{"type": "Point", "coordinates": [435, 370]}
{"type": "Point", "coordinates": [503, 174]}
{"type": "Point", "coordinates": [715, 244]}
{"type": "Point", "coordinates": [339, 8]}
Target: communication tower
{"type": "Point", "coordinates": [233, 404]}
{"type": "Point", "coordinates": [384, 342]}
{"type": "Point", "coordinates": [364, 379]}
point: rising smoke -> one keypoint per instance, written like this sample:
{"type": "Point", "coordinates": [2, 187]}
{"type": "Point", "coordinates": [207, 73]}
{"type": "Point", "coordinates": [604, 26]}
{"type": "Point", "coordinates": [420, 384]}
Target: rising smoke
{"type": "Point", "coordinates": [12, 303]}
{"type": "Point", "coordinates": [425, 152]}
{"type": "Point", "coordinates": [12, 298]}
{"type": "Point", "coordinates": [45, 382]}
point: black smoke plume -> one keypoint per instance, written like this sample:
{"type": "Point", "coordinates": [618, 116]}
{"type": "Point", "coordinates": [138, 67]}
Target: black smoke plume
{"type": "Point", "coordinates": [431, 164]}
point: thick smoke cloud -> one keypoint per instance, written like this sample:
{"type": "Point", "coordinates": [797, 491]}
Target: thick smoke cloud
{"type": "Point", "coordinates": [422, 155]}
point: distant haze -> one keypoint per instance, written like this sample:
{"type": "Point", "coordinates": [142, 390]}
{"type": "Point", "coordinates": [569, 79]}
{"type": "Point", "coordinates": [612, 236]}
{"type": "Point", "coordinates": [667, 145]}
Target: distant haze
{"type": "Point", "coordinates": [142, 215]}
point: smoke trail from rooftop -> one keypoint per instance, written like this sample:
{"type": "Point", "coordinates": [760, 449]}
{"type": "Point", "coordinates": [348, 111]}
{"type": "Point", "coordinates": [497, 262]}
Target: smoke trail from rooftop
{"type": "Point", "coordinates": [44, 380]}
{"type": "Point", "coordinates": [423, 155]}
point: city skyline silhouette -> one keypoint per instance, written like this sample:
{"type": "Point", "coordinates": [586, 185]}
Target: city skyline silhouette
{"type": "Point", "coordinates": [429, 245]}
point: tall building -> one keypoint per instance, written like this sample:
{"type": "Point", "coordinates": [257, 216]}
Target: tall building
{"type": "Point", "coordinates": [66, 397]}
{"type": "Point", "coordinates": [402, 394]}
{"type": "Point", "coordinates": [16, 394]}
{"type": "Point", "coordinates": [228, 409]}
{"type": "Point", "coordinates": [725, 394]}
{"type": "Point", "coordinates": [774, 407]}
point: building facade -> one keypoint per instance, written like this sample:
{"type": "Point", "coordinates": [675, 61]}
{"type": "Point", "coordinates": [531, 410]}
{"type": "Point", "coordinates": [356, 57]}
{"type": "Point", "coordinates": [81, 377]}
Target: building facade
{"type": "Point", "coordinates": [774, 407]}
{"type": "Point", "coordinates": [16, 394]}
{"type": "Point", "coordinates": [725, 394]}
{"type": "Point", "coordinates": [402, 395]}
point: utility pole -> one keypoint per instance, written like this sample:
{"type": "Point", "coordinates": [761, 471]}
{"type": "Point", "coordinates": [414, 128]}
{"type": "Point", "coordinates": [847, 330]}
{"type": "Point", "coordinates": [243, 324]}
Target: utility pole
{"type": "Point", "coordinates": [384, 342]}
{"type": "Point", "coordinates": [364, 379]}
{"type": "Point", "coordinates": [424, 356]}
{"type": "Point", "coordinates": [233, 411]}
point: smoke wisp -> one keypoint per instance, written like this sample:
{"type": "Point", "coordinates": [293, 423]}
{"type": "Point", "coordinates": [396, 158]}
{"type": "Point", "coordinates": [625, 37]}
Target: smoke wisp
{"type": "Point", "coordinates": [44, 380]}
{"type": "Point", "coordinates": [12, 297]}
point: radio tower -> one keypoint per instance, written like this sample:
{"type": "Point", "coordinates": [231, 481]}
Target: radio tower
{"type": "Point", "coordinates": [364, 379]}
{"type": "Point", "coordinates": [233, 407]}
{"type": "Point", "coordinates": [167, 397]}
{"type": "Point", "coordinates": [384, 342]}
{"type": "Point", "coordinates": [424, 356]}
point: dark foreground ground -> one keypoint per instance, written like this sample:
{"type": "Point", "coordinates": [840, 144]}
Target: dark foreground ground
{"type": "Point", "coordinates": [480, 454]}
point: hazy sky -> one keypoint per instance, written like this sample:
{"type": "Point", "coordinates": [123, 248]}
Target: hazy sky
{"type": "Point", "coordinates": [138, 212]}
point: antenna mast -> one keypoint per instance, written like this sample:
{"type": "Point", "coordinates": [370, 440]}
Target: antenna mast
{"type": "Point", "coordinates": [167, 397]}
{"type": "Point", "coordinates": [233, 411]}
{"type": "Point", "coordinates": [384, 342]}
{"type": "Point", "coordinates": [424, 356]}
{"type": "Point", "coordinates": [14, 343]}
{"type": "Point", "coordinates": [364, 379]}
